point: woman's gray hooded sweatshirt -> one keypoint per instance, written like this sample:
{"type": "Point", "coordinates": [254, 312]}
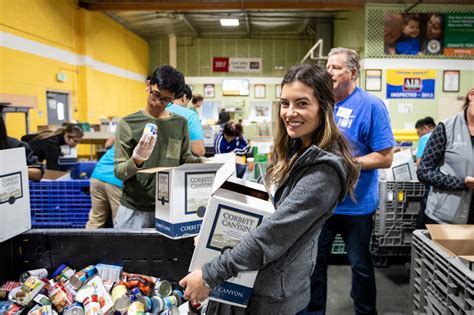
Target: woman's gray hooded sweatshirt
{"type": "Point", "coordinates": [285, 245]}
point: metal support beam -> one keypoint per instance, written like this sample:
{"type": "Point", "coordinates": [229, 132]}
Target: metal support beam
{"type": "Point", "coordinates": [190, 25]}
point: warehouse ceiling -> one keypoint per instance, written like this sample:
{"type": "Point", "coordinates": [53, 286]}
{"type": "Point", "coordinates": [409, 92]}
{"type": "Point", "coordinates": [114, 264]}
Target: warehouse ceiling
{"type": "Point", "coordinates": [201, 18]}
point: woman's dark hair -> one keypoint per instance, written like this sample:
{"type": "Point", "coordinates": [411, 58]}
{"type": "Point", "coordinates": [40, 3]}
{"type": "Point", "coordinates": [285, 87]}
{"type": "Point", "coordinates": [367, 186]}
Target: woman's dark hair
{"type": "Point", "coordinates": [168, 78]}
{"type": "Point", "coordinates": [197, 98]}
{"type": "Point", "coordinates": [327, 136]}
{"type": "Point", "coordinates": [3, 135]}
{"type": "Point", "coordinates": [70, 129]}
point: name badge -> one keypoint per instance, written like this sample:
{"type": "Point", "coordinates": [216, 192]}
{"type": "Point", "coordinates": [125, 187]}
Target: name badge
{"type": "Point", "coordinates": [344, 112]}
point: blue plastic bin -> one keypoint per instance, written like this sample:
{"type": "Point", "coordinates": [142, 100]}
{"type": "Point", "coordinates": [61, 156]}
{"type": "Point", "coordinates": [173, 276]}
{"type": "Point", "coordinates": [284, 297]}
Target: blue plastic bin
{"type": "Point", "coordinates": [60, 204]}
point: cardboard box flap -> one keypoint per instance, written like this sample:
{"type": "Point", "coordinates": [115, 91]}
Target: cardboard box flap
{"type": "Point", "coordinates": [457, 239]}
{"type": "Point", "coordinates": [244, 187]}
{"type": "Point", "coordinates": [226, 171]}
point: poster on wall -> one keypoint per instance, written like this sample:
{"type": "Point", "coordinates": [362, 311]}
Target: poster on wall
{"type": "Point", "coordinates": [411, 84]}
{"type": "Point", "coordinates": [459, 35]}
{"type": "Point", "coordinates": [260, 111]}
{"type": "Point", "coordinates": [428, 34]}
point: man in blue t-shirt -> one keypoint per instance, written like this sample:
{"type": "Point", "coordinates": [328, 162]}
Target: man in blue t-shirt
{"type": "Point", "coordinates": [363, 119]}
{"type": "Point", "coordinates": [423, 127]}
{"type": "Point", "coordinates": [196, 137]}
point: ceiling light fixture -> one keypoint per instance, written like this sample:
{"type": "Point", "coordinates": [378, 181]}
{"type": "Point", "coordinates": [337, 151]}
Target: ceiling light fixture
{"type": "Point", "coordinates": [229, 22]}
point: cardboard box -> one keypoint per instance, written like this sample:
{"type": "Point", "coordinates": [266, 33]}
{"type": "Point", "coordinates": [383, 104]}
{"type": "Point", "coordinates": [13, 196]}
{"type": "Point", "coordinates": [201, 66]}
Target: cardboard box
{"type": "Point", "coordinates": [456, 239]}
{"type": "Point", "coordinates": [15, 217]}
{"type": "Point", "coordinates": [235, 208]}
{"type": "Point", "coordinates": [402, 169]}
{"type": "Point", "coordinates": [182, 194]}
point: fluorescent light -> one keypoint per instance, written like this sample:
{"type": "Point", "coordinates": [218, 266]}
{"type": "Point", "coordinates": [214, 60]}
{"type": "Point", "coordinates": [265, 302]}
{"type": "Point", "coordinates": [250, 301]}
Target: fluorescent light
{"type": "Point", "coordinates": [229, 22]}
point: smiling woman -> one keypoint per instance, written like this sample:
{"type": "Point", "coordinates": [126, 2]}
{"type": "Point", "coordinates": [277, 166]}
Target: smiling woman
{"type": "Point", "coordinates": [311, 171]}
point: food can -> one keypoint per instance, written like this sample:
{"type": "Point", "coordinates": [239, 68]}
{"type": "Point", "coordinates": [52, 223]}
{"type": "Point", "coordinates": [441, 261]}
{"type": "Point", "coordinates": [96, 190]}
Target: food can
{"type": "Point", "coordinates": [74, 309]}
{"type": "Point", "coordinates": [170, 301]}
{"type": "Point", "coordinates": [179, 296]}
{"type": "Point", "coordinates": [28, 291]}
{"type": "Point", "coordinates": [136, 308]}
{"type": "Point", "coordinates": [162, 288]}
{"type": "Point", "coordinates": [80, 277]}
{"type": "Point", "coordinates": [38, 273]}
{"type": "Point", "coordinates": [42, 310]}
{"type": "Point", "coordinates": [59, 296]}
{"type": "Point", "coordinates": [63, 273]}
{"type": "Point", "coordinates": [151, 129]}
{"type": "Point", "coordinates": [157, 304]}
{"type": "Point", "coordinates": [120, 298]}
{"type": "Point", "coordinates": [7, 287]}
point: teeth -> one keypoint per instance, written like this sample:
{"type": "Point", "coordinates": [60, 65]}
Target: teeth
{"type": "Point", "coordinates": [295, 123]}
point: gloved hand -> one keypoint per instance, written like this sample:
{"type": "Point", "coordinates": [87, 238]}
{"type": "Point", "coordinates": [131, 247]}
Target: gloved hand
{"type": "Point", "coordinates": [144, 147]}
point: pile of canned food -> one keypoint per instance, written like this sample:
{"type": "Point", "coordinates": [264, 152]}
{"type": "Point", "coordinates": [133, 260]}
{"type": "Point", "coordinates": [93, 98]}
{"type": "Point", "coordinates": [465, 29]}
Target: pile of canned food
{"type": "Point", "coordinates": [94, 290]}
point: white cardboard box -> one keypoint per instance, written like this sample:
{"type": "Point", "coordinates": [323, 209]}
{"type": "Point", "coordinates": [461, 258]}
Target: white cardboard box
{"type": "Point", "coordinates": [15, 211]}
{"type": "Point", "coordinates": [402, 169]}
{"type": "Point", "coordinates": [236, 207]}
{"type": "Point", "coordinates": [183, 192]}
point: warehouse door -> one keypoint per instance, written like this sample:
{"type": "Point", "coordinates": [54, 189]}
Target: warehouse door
{"type": "Point", "coordinates": [57, 105]}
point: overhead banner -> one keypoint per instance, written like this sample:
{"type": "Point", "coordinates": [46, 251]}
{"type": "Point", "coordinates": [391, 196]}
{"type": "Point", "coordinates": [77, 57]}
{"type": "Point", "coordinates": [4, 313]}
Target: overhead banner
{"type": "Point", "coordinates": [228, 64]}
{"type": "Point", "coordinates": [411, 84]}
{"type": "Point", "coordinates": [429, 34]}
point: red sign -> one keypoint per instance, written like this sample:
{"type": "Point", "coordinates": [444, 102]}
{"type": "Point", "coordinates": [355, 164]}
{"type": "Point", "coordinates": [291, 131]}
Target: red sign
{"type": "Point", "coordinates": [220, 64]}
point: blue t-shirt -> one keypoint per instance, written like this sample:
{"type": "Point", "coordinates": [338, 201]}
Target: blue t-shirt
{"type": "Point", "coordinates": [194, 124]}
{"type": "Point", "coordinates": [407, 46]}
{"type": "Point", "coordinates": [422, 144]}
{"type": "Point", "coordinates": [363, 119]}
{"type": "Point", "coordinates": [239, 145]}
{"type": "Point", "coordinates": [104, 170]}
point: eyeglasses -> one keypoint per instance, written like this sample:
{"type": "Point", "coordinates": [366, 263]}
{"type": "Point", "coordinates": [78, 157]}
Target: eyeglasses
{"type": "Point", "coordinates": [157, 97]}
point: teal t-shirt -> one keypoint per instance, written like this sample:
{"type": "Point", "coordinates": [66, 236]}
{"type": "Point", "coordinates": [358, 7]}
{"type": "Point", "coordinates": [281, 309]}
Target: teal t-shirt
{"type": "Point", "coordinates": [422, 144]}
{"type": "Point", "coordinates": [194, 125]}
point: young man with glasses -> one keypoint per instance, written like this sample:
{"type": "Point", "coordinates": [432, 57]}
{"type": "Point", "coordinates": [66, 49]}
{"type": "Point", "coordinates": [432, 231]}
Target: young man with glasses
{"type": "Point", "coordinates": [135, 150]}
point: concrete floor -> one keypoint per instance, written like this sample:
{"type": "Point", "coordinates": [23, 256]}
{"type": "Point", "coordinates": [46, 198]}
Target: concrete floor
{"type": "Point", "coordinates": [392, 290]}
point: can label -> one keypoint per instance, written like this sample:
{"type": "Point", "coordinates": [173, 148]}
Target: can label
{"type": "Point", "coordinates": [78, 279]}
{"type": "Point", "coordinates": [151, 129]}
{"type": "Point", "coordinates": [60, 297]}
{"type": "Point", "coordinates": [28, 290]}
{"type": "Point", "coordinates": [170, 301]}
{"type": "Point", "coordinates": [38, 273]}
{"type": "Point", "coordinates": [136, 308]}
{"type": "Point", "coordinates": [92, 306]}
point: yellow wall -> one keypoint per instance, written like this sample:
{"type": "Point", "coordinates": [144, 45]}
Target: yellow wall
{"type": "Point", "coordinates": [61, 24]}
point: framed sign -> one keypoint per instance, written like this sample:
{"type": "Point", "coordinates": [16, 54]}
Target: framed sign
{"type": "Point", "coordinates": [209, 90]}
{"type": "Point", "coordinates": [259, 90]}
{"type": "Point", "coordinates": [451, 80]}
{"type": "Point", "coordinates": [277, 91]}
{"type": "Point", "coordinates": [373, 80]}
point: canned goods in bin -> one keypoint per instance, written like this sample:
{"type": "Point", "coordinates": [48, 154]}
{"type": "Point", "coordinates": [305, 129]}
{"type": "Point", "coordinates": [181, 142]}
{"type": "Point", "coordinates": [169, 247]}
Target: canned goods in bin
{"type": "Point", "coordinates": [42, 310]}
{"type": "Point", "coordinates": [179, 296]}
{"type": "Point", "coordinates": [80, 277]}
{"type": "Point", "coordinates": [28, 290]}
{"type": "Point", "coordinates": [84, 292]}
{"type": "Point", "coordinates": [74, 309]}
{"type": "Point", "coordinates": [162, 288]}
{"type": "Point", "coordinates": [63, 273]}
{"type": "Point", "coordinates": [120, 298]}
{"type": "Point", "coordinates": [59, 296]}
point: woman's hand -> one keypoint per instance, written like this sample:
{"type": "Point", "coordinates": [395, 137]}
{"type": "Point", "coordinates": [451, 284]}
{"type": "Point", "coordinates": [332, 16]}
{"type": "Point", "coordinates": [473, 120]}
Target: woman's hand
{"type": "Point", "coordinates": [195, 289]}
{"type": "Point", "coordinates": [469, 182]}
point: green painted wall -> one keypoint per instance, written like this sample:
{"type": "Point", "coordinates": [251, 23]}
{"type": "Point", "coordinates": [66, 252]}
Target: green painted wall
{"type": "Point", "coordinates": [349, 30]}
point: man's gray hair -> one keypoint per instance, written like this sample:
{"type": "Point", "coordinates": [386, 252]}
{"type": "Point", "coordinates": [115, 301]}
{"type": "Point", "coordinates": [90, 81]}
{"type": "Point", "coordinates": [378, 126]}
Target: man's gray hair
{"type": "Point", "coordinates": [352, 58]}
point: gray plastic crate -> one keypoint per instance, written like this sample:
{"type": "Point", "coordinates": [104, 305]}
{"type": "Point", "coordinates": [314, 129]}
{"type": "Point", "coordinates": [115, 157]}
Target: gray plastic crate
{"type": "Point", "coordinates": [395, 219]}
{"type": "Point", "coordinates": [439, 282]}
